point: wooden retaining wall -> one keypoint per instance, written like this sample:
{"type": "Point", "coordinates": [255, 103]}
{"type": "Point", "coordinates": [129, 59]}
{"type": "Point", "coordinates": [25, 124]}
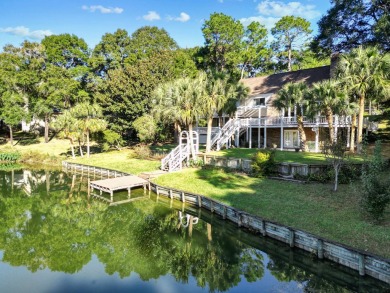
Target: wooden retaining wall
{"type": "Point", "coordinates": [365, 263]}
{"type": "Point", "coordinates": [245, 165]}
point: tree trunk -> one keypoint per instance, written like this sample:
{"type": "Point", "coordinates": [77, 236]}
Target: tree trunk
{"type": "Point", "coordinates": [329, 118]}
{"type": "Point", "coordinates": [87, 135]}
{"type": "Point", "coordinates": [208, 139]}
{"type": "Point", "coordinates": [176, 132]}
{"type": "Point", "coordinates": [72, 187]}
{"type": "Point", "coordinates": [302, 133]}
{"type": "Point", "coordinates": [353, 128]}
{"type": "Point", "coordinates": [46, 128]}
{"type": "Point", "coordinates": [192, 148]}
{"type": "Point", "coordinates": [360, 123]}
{"type": "Point", "coordinates": [11, 135]}
{"type": "Point", "coordinates": [47, 175]}
{"type": "Point", "coordinates": [72, 148]}
{"type": "Point", "coordinates": [289, 58]}
{"type": "Point", "coordinates": [243, 70]}
{"type": "Point", "coordinates": [81, 150]}
{"type": "Point", "coordinates": [336, 178]}
{"type": "Point", "coordinates": [370, 108]}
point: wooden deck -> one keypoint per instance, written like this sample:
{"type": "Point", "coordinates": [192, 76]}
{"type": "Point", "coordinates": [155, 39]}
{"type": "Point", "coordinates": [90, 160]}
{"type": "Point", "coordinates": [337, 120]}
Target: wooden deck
{"type": "Point", "coordinates": [119, 183]}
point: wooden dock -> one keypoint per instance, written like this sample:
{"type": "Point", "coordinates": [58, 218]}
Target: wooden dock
{"type": "Point", "coordinates": [120, 183]}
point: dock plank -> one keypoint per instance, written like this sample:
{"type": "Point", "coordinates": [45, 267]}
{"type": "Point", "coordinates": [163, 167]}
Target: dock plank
{"type": "Point", "coordinates": [118, 183]}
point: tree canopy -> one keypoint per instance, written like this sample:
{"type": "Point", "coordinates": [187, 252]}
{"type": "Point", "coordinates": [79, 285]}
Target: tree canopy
{"type": "Point", "coordinates": [66, 50]}
{"type": "Point", "coordinates": [349, 24]}
{"type": "Point", "coordinates": [223, 36]}
{"type": "Point", "coordinates": [148, 40]}
{"type": "Point", "coordinates": [290, 32]}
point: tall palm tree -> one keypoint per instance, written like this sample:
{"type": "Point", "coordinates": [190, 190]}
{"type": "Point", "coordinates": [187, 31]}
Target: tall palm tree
{"type": "Point", "coordinates": [213, 99]}
{"type": "Point", "coordinates": [89, 120]}
{"type": "Point", "coordinates": [189, 105]}
{"type": "Point", "coordinates": [163, 106]}
{"type": "Point", "coordinates": [182, 99]}
{"type": "Point", "coordinates": [364, 71]}
{"type": "Point", "coordinates": [329, 98]}
{"type": "Point", "coordinates": [293, 95]}
{"type": "Point", "coordinates": [65, 124]}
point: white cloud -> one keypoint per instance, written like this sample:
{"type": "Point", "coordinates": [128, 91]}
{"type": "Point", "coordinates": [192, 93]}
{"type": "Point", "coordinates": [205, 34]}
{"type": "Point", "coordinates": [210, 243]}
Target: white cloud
{"type": "Point", "coordinates": [152, 15]}
{"type": "Point", "coordinates": [280, 9]}
{"type": "Point", "coordinates": [184, 17]}
{"type": "Point", "coordinates": [268, 22]}
{"type": "Point", "coordinates": [26, 32]}
{"type": "Point", "coordinates": [102, 9]}
{"type": "Point", "coordinates": [269, 12]}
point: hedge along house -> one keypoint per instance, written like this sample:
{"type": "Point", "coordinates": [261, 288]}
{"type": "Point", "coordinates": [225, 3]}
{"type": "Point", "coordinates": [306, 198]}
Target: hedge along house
{"type": "Point", "coordinates": [258, 124]}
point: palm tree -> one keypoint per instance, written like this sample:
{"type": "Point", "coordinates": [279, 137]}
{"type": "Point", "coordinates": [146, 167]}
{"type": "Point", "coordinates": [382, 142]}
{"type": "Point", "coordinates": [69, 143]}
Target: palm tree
{"type": "Point", "coordinates": [364, 71]}
{"type": "Point", "coordinates": [65, 124]}
{"type": "Point", "coordinates": [189, 105]}
{"type": "Point", "coordinates": [329, 98]}
{"type": "Point", "coordinates": [179, 101]}
{"type": "Point", "coordinates": [88, 120]}
{"type": "Point", "coordinates": [213, 99]}
{"type": "Point", "coordinates": [292, 95]}
{"type": "Point", "coordinates": [163, 107]}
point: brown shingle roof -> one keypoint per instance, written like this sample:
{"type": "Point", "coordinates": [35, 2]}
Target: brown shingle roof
{"type": "Point", "coordinates": [272, 83]}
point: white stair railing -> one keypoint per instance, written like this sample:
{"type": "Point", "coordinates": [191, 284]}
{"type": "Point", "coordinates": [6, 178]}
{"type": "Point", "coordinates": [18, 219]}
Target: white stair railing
{"type": "Point", "coordinates": [218, 135]}
{"type": "Point", "coordinates": [174, 160]}
{"type": "Point", "coordinates": [228, 130]}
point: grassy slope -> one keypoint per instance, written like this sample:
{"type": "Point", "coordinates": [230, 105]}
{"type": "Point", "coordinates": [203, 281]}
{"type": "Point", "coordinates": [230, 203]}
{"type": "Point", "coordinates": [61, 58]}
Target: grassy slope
{"type": "Point", "coordinates": [312, 207]}
{"type": "Point", "coordinates": [119, 160]}
{"type": "Point", "coordinates": [281, 156]}
{"type": "Point", "coordinates": [55, 147]}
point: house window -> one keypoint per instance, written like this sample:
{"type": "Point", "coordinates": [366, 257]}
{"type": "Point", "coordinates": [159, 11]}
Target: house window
{"type": "Point", "coordinates": [291, 139]}
{"type": "Point", "coordinates": [260, 102]}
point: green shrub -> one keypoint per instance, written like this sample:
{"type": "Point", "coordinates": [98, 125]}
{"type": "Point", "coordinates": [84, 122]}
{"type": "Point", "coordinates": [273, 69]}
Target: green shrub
{"type": "Point", "coordinates": [322, 177]}
{"type": "Point", "coordinates": [263, 163]}
{"type": "Point", "coordinates": [196, 163]}
{"type": "Point", "coordinates": [9, 156]}
{"type": "Point", "coordinates": [347, 174]}
{"type": "Point", "coordinates": [111, 139]}
{"type": "Point", "coordinates": [141, 152]}
{"type": "Point", "coordinates": [146, 128]}
{"type": "Point", "coordinates": [375, 193]}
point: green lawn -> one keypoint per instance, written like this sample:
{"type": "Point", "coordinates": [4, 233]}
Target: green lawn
{"type": "Point", "coordinates": [311, 207]}
{"type": "Point", "coordinates": [281, 156]}
{"type": "Point", "coordinates": [119, 160]}
{"type": "Point", "coordinates": [55, 147]}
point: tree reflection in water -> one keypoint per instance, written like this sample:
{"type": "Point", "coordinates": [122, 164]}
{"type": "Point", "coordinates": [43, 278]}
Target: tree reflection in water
{"type": "Point", "coordinates": [48, 221]}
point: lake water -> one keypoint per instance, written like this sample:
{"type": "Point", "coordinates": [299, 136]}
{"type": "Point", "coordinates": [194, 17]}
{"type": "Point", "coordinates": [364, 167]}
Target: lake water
{"type": "Point", "coordinates": [54, 237]}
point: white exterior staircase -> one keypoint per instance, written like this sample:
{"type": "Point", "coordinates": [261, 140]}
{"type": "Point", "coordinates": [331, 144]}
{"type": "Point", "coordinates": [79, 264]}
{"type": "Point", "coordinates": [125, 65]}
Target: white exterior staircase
{"type": "Point", "coordinates": [174, 160]}
{"type": "Point", "coordinates": [226, 132]}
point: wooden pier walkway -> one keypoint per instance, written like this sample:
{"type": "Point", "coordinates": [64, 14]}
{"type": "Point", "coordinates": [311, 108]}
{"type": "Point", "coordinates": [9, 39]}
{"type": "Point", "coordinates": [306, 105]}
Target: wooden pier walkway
{"type": "Point", "coordinates": [120, 183]}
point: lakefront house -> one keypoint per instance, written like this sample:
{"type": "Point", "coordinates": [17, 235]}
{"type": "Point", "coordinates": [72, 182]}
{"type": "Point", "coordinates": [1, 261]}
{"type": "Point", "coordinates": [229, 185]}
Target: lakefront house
{"type": "Point", "coordinates": [257, 124]}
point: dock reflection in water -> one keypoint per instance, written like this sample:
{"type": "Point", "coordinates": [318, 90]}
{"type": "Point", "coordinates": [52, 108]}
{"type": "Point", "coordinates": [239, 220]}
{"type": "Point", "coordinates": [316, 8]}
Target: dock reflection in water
{"type": "Point", "coordinates": [57, 238]}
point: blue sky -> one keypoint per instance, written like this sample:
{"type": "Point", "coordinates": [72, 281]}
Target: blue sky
{"type": "Point", "coordinates": [183, 19]}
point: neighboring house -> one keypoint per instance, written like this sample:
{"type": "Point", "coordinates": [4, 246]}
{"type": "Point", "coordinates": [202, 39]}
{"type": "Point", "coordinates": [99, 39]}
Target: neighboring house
{"type": "Point", "coordinates": [258, 124]}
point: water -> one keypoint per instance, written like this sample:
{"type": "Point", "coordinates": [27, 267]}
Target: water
{"type": "Point", "coordinates": [54, 237]}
